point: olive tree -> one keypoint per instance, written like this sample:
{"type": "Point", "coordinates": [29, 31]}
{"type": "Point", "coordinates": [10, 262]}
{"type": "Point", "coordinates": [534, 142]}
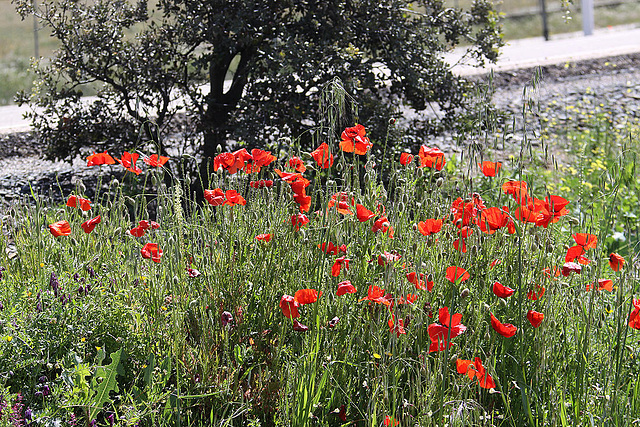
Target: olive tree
{"type": "Point", "coordinates": [243, 70]}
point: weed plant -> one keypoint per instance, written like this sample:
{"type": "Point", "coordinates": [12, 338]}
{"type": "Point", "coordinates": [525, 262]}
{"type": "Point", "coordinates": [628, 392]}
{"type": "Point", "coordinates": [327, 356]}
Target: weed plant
{"type": "Point", "coordinates": [102, 328]}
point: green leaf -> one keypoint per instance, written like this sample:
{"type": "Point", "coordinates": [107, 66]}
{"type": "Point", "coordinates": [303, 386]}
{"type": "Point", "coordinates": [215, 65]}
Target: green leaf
{"type": "Point", "coordinates": [107, 385]}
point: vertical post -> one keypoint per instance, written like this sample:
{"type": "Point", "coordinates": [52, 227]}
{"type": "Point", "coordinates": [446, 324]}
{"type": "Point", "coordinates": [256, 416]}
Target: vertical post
{"type": "Point", "coordinates": [586, 7]}
{"type": "Point", "coordinates": [36, 47]}
{"type": "Point", "coordinates": [545, 25]}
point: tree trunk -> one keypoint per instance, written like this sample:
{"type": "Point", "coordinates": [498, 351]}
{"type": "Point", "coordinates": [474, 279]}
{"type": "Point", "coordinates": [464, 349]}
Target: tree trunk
{"type": "Point", "coordinates": [220, 105]}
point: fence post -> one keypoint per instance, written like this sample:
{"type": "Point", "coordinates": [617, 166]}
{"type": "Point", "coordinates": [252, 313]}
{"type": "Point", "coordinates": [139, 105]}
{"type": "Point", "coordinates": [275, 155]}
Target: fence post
{"type": "Point", "coordinates": [586, 7]}
{"type": "Point", "coordinates": [545, 25]}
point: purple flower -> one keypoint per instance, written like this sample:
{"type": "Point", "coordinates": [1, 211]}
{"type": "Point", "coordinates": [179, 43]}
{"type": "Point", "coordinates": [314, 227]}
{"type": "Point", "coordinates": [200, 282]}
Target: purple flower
{"type": "Point", "coordinates": [28, 414]}
{"type": "Point", "coordinates": [111, 419]}
{"type": "Point", "coordinates": [46, 391]}
{"type": "Point", "coordinates": [42, 379]}
{"type": "Point", "coordinates": [91, 272]}
{"type": "Point", "coordinates": [55, 284]}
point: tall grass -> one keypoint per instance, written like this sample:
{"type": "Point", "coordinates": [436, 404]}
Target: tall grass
{"type": "Point", "coordinates": [159, 327]}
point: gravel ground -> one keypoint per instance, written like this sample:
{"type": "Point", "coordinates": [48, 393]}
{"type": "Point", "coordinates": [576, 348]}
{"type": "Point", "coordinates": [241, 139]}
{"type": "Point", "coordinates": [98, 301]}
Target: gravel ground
{"type": "Point", "coordinates": [614, 82]}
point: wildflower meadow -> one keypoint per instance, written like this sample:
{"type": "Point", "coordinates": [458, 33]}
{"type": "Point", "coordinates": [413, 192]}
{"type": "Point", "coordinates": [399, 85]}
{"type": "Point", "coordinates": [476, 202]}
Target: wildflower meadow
{"type": "Point", "coordinates": [332, 287]}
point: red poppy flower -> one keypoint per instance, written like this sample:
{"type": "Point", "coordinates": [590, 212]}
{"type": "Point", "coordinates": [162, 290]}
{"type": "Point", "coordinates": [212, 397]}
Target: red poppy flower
{"type": "Point", "coordinates": [490, 169]}
{"type": "Point", "coordinates": [518, 189]}
{"type": "Point", "coordinates": [406, 158]}
{"type": "Point", "coordinates": [460, 245]}
{"type": "Point", "coordinates": [215, 197]}
{"type": "Point", "coordinates": [475, 370]}
{"type": "Point", "coordinates": [464, 212]}
{"type": "Point", "coordinates": [192, 272]}
{"type": "Point", "coordinates": [331, 249]}
{"type": "Point", "coordinates": [345, 288]}
{"type": "Point", "coordinates": [535, 318]}
{"type": "Point", "coordinates": [335, 269]}
{"type": "Point", "coordinates": [390, 421]}
{"type": "Point", "coordinates": [155, 161]}
{"type": "Point", "coordinates": [413, 277]}
{"type": "Point", "coordinates": [297, 164]}
{"type": "Point", "coordinates": [507, 330]}
{"type": "Point", "coordinates": [616, 262]}
{"type": "Point", "coordinates": [634, 316]}
{"type": "Point", "coordinates": [398, 327]}
{"type": "Point", "coordinates": [137, 231]}
{"type": "Point", "coordinates": [537, 293]}
{"type": "Point", "coordinates": [573, 252]}
{"type": "Point", "coordinates": [151, 250]}
{"type": "Point", "coordinates": [100, 159]}
{"type": "Point", "coordinates": [377, 295]}
{"type": "Point", "coordinates": [148, 224]}
{"type": "Point", "coordinates": [79, 202]}
{"type": "Point", "coordinates": [60, 228]}
{"type": "Point", "coordinates": [233, 198]}
{"type": "Point", "coordinates": [493, 219]}
{"type": "Point", "coordinates": [298, 220]}
{"type": "Point", "coordinates": [241, 157]}
{"type": "Point", "coordinates": [387, 257]}
{"type": "Point", "coordinates": [449, 327]}
{"type": "Point", "coordinates": [259, 158]}
{"type": "Point", "coordinates": [382, 224]}
{"type": "Point", "coordinates": [299, 327]}
{"type": "Point", "coordinates": [262, 183]}
{"type": "Point", "coordinates": [502, 291]}
{"type": "Point", "coordinates": [363, 214]}
{"type": "Point", "coordinates": [587, 241]}
{"type": "Point", "coordinates": [455, 274]}
{"type": "Point", "coordinates": [603, 285]}
{"type": "Point", "coordinates": [224, 161]}
{"type": "Point", "coordinates": [307, 296]}
{"type": "Point", "coordinates": [429, 226]}
{"type": "Point", "coordinates": [571, 267]}
{"type": "Point", "coordinates": [410, 299]}
{"type": "Point", "coordinates": [431, 157]}
{"type": "Point", "coordinates": [355, 141]}
{"type": "Point", "coordinates": [289, 306]}
{"type": "Point", "coordinates": [128, 161]}
{"type": "Point", "coordinates": [264, 237]}
{"type": "Point", "coordinates": [322, 156]}
{"type": "Point", "coordinates": [90, 224]}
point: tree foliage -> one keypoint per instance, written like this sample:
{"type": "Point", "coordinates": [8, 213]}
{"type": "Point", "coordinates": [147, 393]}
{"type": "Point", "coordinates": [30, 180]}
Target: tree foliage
{"type": "Point", "coordinates": [245, 70]}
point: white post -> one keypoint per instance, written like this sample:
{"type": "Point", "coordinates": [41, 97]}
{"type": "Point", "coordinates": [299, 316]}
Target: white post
{"type": "Point", "coordinates": [587, 17]}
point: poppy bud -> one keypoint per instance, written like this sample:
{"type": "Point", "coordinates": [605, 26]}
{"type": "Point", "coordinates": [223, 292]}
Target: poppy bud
{"type": "Point", "coordinates": [487, 336]}
{"type": "Point", "coordinates": [502, 302]}
{"type": "Point", "coordinates": [465, 293]}
{"type": "Point", "coordinates": [439, 182]}
{"type": "Point", "coordinates": [574, 221]}
{"type": "Point", "coordinates": [401, 207]}
{"type": "Point", "coordinates": [392, 121]}
{"type": "Point", "coordinates": [219, 149]}
{"type": "Point", "coordinates": [453, 358]}
{"type": "Point", "coordinates": [486, 307]}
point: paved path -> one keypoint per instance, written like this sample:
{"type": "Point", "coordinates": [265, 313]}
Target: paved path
{"type": "Point", "coordinates": [523, 53]}
{"type": "Point", "coordinates": [570, 47]}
